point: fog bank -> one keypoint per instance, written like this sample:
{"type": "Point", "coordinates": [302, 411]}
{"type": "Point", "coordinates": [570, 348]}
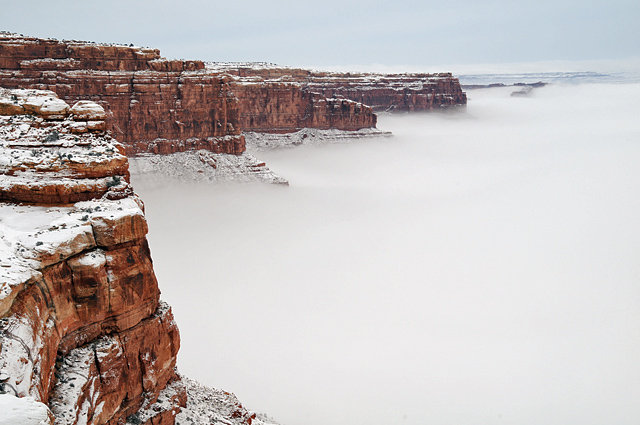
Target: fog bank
{"type": "Point", "coordinates": [479, 267]}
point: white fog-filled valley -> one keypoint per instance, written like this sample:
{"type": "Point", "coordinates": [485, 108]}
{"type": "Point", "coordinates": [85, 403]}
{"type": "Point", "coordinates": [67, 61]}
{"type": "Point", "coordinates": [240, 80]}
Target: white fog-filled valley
{"type": "Point", "coordinates": [481, 266]}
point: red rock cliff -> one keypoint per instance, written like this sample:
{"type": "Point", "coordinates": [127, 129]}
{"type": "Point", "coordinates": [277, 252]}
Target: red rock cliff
{"type": "Point", "coordinates": [382, 92]}
{"type": "Point", "coordinates": [280, 107]}
{"type": "Point", "coordinates": [153, 104]}
{"type": "Point", "coordinates": [82, 327]}
{"type": "Point", "coordinates": [161, 106]}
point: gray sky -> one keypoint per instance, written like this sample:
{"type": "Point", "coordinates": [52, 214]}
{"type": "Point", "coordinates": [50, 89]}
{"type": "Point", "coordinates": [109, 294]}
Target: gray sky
{"type": "Point", "coordinates": [331, 33]}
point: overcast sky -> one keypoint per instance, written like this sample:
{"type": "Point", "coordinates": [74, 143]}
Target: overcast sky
{"type": "Point", "coordinates": [331, 33]}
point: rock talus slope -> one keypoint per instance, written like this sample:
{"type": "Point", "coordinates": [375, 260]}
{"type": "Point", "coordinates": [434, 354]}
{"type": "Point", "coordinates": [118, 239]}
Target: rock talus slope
{"type": "Point", "coordinates": [82, 328]}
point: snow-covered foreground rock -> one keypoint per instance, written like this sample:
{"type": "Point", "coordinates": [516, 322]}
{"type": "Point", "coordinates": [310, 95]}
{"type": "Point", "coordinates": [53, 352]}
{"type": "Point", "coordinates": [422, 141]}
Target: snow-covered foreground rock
{"type": "Point", "coordinates": [82, 327]}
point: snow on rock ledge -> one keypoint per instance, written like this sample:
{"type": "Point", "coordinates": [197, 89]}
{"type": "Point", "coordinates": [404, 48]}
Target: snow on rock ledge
{"type": "Point", "coordinates": [210, 405]}
{"type": "Point", "coordinates": [201, 166]}
{"type": "Point", "coordinates": [23, 411]}
{"type": "Point", "coordinates": [78, 293]}
{"type": "Point", "coordinates": [43, 158]}
{"type": "Point", "coordinates": [308, 136]}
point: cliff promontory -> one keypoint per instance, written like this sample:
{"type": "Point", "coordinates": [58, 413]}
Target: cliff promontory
{"type": "Point", "coordinates": [410, 92]}
{"type": "Point", "coordinates": [82, 326]}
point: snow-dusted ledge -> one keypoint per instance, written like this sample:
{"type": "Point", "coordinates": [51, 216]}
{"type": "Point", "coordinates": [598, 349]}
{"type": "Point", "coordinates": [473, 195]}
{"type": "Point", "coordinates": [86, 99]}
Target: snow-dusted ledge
{"type": "Point", "coordinates": [207, 405]}
{"type": "Point", "coordinates": [307, 136]}
{"type": "Point", "coordinates": [205, 166]}
{"type": "Point", "coordinates": [202, 166]}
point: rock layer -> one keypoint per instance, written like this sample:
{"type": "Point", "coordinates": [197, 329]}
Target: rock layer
{"type": "Point", "coordinates": [410, 92]}
{"type": "Point", "coordinates": [152, 104]}
{"type": "Point", "coordinates": [155, 105]}
{"type": "Point", "coordinates": [81, 324]}
{"type": "Point", "coordinates": [276, 106]}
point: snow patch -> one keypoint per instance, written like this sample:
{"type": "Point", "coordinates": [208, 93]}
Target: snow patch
{"type": "Point", "coordinates": [200, 166]}
{"type": "Point", "coordinates": [307, 136]}
{"type": "Point", "coordinates": [23, 411]}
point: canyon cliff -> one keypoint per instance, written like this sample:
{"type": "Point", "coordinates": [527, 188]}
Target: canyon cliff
{"type": "Point", "coordinates": [83, 328]}
{"type": "Point", "coordinates": [155, 105]}
{"type": "Point", "coordinates": [84, 336]}
{"type": "Point", "coordinates": [408, 92]}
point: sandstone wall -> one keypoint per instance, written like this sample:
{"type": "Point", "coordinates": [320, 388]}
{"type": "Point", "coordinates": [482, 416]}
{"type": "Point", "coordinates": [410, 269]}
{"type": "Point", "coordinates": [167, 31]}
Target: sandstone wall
{"type": "Point", "coordinates": [281, 107]}
{"type": "Point", "coordinates": [153, 104]}
{"type": "Point", "coordinates": [381, 92]}
{"type": "Point", "coordinates": [82, 328]}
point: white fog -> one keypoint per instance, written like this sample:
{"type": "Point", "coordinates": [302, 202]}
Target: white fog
{"type": "Point", "coordinates": [478, 267]}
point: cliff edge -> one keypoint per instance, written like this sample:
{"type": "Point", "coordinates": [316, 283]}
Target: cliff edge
{"type": "Point", "coordinates": [160, 106]}
{"type": "Point", "coordinates": [84, 336]}
{"type": "Point", "coordinates": [82, 325]}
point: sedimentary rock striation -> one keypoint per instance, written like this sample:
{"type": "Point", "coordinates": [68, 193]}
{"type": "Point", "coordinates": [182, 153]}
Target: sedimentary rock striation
{"type": "Point", "coordinates": [155, 105]}
{"type": "Point", "coordinates": [152, 104]}
{"type": "Point", "coordinates": [164, 106]}
{"type": "Point", "coordinates": [382, 92]}
{"type": "Point", "coordinates": [82, 328]}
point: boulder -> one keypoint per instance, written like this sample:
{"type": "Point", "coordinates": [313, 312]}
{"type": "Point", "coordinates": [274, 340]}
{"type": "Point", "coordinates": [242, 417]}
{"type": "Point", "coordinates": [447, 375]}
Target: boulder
{"type": "Point", "coordinates": [87, 110]}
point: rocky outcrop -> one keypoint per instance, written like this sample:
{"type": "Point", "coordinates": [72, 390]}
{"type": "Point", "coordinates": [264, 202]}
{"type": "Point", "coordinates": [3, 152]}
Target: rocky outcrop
{"type": "Point", "coordinates": [276, 106]}
{"type": "Point", "coordinates": [82, 328]}
{"type": "Point", "coordinates": [152, 104]}
{"type": "Point", "coordinates": [381, 92]}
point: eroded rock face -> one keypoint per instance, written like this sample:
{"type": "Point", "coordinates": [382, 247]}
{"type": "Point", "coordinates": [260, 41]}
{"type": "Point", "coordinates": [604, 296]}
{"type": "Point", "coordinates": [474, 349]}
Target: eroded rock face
{"type": "Point", "coordinates": [276, 106]}
{"type": "Point", "coordinates": [158, 106]}
{"type": "Point", "coordinates": [151, 104]}
{"type": "Point", "coordinates": [82, 328]}
{"type": "Point", "coordinates": [381, 92]}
